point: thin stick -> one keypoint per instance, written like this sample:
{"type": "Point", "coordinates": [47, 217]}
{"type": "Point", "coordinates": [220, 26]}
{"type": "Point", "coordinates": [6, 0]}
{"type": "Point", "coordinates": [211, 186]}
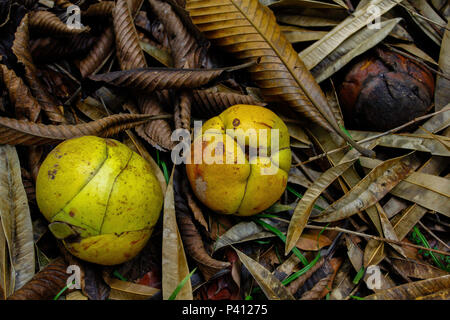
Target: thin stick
{"type": "Point", "coordinates": [400, 243]}
{"type": "Point", "coordinates": [320, 156]}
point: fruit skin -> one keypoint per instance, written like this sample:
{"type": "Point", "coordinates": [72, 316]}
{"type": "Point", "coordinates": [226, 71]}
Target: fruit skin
{"type": "Point", "coordinates": [101, 198]}
{"type": "Point", "coordinates": [240, 188]}
{"type": "Point", "coordinates": [385, 90]}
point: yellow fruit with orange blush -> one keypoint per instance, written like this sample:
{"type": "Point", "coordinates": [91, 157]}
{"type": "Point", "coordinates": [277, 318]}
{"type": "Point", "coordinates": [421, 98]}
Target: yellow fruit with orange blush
{"type": "Point", "coordinates": [243, 182]}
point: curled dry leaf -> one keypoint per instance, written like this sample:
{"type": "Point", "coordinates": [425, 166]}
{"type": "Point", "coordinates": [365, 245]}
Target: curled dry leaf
{"type": "Point", "coordinates": [158, 132]}
{"type": "Point", "coordinates": [21, 132]}
{"type": "Point", "coordinates": [22, 51]}
{"type": "Point", "coordinates": [49, 49]}
{"type": "Point", "coordinates": [442, 95]}
{"type": "Point", "coordinates": [15, 222]}
{"type": "Point", "coordinates": [305, 205]}
{"type": "Point", "coordinates": [45, 284]}
{"type": "Point", "coordinates": [45, 22]}
{"type": "Point", "coordinates": [370, 189]}
{"type": "Point", "coordinates": [25, 104]}
{"type": "Point", "coordinates": [270, 285]}
{"type": "Point", "coordinates": [174, 263]}
{"type": "Point", "coordinates": [249, 31]}
{"type": "Point", "coordinates": [98, 54]}
{"type": "Point", "coordinates": [128, 49]}
{"type": "Point", "coordinates": [189, 232]}
{"type": "Point", "coordinates": [412, 290]}
{"type": "Point", "coordinates": [100, 9]}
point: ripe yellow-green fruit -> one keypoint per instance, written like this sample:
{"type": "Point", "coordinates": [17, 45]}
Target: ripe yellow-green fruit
{"type": "Point", "coordinates": [243, 183]}
{"type": "Point", "coordinates": [101, 198]}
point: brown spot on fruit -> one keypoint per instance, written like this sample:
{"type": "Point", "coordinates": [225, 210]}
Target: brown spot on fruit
{"type": "Point", "coordinates": [71, 213]}
{"type": "Point", "coordinates": [236, 122]}
{"type": "Point", "coordinates": [52, 173]}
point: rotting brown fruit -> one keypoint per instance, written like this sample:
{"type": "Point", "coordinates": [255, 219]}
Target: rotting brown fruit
{"type": "Point", "coordinates": [384, 91]}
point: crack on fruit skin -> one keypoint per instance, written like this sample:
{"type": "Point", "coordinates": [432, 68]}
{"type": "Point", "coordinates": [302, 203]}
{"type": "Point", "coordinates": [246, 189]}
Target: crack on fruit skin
{"type": "Point", "coordinates": [87, 182]}
{"type": "Point", "coordinates": [112, 188]}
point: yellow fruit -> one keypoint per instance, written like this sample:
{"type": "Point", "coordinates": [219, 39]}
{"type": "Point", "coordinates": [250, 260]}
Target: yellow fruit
{"type": "Point", "coordinates": [248, 184]}
{"type": "Point", "coordinates": [101, 198]}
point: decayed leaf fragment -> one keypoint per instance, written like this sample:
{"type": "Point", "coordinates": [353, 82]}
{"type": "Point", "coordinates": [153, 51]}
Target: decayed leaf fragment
{"type": "Point", "coordinates": [15, 223]}
{"type": "Point", "coordinates": [370, 189]}
{"type": "Point", "coordinates": [48, 23]}
{"type": "Point", "coordinates": [249, 31]}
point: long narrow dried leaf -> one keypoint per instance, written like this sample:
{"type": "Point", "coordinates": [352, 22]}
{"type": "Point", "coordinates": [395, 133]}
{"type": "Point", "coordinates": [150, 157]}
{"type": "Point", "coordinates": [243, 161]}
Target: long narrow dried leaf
{"type": "Point", "coordinates": [416, 269]}
{"type": "Point", "coordinates": [442, 93]}
{"type": "Point", "coordinates": [15, 217]}
{"type": "Point", "coordinates": [315, 53]}
{"type": "Point", "coordinates": [125, 290]}
{"type": "Point", "coordinates": [355, 45]}
{"type": "Point", "coordinates": [148, 80]}
{"type": "Point", "coordinates": [270, 285]}
{"type": "Point", "coordinates": [128, 49]}
{"type": "Point", "coordinates": [20, 96]}
{"type": "Point", "coordinates": [46, 22]}
{"type": "Point", "coordinates": [304, 207]}
{"type": "Point", "coordinates": [412, 290]}
{"type": "Point", "coordinates": [174, 263]}
{"type": "Point", "coordinates": [370, 189]}
{"type": "Point", "coordinates": [45, 284]}
{"type": "Point", "coordinates": [249, 31]}
{"type": "Point", "coordinates": [21, 132]}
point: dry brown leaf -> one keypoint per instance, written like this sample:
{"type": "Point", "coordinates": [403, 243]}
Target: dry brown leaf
{"type": "Point", "coordinates": [21, 132]}
{"type": "Point", "coordinates": [103, 8]}
{"type": "Point", "coordinates": [128, 49]}
{"type": "Point", "coordinates": [417, 269]}
{"type": "Point", "coordinates": [148, 80]}
{"type": "Point", "coordinates": [98, 54]}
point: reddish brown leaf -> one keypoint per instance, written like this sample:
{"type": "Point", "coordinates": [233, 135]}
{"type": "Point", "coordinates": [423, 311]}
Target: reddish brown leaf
{"type": "Point", "coordinates": [45, 284]}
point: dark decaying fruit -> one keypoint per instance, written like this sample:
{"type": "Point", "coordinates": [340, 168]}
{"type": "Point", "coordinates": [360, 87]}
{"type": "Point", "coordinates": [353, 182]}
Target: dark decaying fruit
{"type": "Point", "coordinates": [384, 91]}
